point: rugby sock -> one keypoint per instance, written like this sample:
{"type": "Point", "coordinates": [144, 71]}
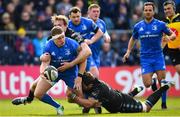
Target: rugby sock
{"type": "Point", "coordinates": [47, 99]}
{"type": "Point", "coordinates": [153, 98]}
{"type": "Point", "coordinates": [164, 97]}
{"type": "Point", "coordinates": [154, 86]}
{"type": "Point", "coordinates": [30, 96]}
{"type": "Point", "coordinates": [135, 91]}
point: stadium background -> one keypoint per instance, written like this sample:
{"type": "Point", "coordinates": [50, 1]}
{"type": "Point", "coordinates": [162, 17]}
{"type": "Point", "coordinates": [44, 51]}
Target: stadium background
{"type": "Point", "coordinates": [22, 22]}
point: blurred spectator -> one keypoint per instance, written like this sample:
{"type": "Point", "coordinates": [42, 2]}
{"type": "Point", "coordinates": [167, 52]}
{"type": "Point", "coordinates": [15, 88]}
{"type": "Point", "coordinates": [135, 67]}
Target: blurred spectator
{"type": "Point", "coordinates": [136, 16]}
{"type": "Point", "coordinates": [48, 13]}
{"type": "Point", "coordinates": [1, 8]}
{"type": "Point", "coordinates": [62, 8]}
{"type": "Point", "coordinates": [26, 21]}
{"type": "Point", "coordinates": [123, 44]}
{"type": "Point", "coordinates": [80, 4]}
{"type": "Point", "coordinates": [108, 56]}
{"type": "Point", "coordinates": [122, 19]}
{"type": "Point", "coordinates": [7, 24]}
{"type": "Point", "coordinates": [10, 8]}
{"type": "Point", "coordinates": [38, 42]}
{"type": "Point", "coordinates": [24, 48]}
{"type": "Point", "coordinates": [7, 54]}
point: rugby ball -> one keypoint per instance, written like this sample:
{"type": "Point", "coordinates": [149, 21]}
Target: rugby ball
{"type": "Point", "coordinates": [51, 73]}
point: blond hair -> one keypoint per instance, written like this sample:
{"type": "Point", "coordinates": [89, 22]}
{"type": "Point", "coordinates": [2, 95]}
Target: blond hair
{"type": "Point", "coordinates": [60, 17]}
{"type": "Point", "coordinates": [93, 6]}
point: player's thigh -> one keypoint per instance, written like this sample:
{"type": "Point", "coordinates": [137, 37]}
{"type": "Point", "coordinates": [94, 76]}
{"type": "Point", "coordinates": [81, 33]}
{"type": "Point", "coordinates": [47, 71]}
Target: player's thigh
{"type": "Point", "coordinates": [147, 79]}
{"type": "Point", "coordinates": [42, 87]}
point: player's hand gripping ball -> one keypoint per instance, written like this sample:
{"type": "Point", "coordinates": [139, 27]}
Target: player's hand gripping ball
{"type": "Point", "coordinates": [51, 73]}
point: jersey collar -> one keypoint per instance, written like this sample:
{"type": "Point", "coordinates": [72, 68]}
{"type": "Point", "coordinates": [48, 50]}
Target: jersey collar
{"type": "Point", "coordinates": [170, 20]}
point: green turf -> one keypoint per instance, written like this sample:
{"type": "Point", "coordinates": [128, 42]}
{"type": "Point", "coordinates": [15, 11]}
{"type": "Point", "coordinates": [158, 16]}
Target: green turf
{"type": "Point", "coordinates": [38, 108]}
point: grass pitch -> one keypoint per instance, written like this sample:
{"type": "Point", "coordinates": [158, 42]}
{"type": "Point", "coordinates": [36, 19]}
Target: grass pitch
{"type": "Point", "coordinates": [38, 108]}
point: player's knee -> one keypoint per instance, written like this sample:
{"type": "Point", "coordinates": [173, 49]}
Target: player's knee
{"type": "Point", "coordinates": [38, 95]}
{"type": "Point", "coordinates": [147, 85]}
{"type": "Point", "coordinates": [33, 86]}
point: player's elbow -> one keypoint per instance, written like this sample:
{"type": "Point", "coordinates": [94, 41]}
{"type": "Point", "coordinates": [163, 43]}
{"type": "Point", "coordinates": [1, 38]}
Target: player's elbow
{"type": "Point", "coordinates": [86, 49]}
{"type": "Point", "coordinates": [45, 57]}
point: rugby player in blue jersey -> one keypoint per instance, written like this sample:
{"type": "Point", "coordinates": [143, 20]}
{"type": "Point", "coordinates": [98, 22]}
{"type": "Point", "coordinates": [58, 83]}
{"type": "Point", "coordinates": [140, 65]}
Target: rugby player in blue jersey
{"type": "Point", "coordinates": [94, 13]}
{"type": "Point", "coordinates": [89, 31]}
{"type": "Point", "coordinates": [150, 31]}
{"type": "Point", "coordinates": [85, 27]}
{"type": "Point", "coordinates": [58, 50]}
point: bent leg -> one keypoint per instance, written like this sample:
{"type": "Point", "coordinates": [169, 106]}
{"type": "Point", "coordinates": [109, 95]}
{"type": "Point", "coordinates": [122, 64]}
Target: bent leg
{"type": "Point", "coordinates": [40, 92]}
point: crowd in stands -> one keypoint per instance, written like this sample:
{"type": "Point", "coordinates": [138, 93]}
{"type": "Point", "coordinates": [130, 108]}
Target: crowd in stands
{"type": "Point", "coordinates": [19, 17]}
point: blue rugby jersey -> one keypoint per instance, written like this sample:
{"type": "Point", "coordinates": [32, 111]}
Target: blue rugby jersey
{"type": "Point", "coordinates": [66, 53]}
{"type": "Point", "coordinates": [85, 28]}
{"type": "Point", "coordinates": [150, 36]}
{"type": "Point", "coordinates": [96, 47]}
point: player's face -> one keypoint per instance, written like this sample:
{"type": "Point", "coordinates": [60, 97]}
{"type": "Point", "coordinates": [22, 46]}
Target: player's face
{"type": "Point", "coordinates": [60, 23]}
{"type": "Point", "coordinates": [169, 10]}
{"type": "Point", "coordinates": [60, 40]}
{"type": "Point", "coordinates": [94, 13]}
{"type": "Point", "coordinates": [75, 18]}
{"type": "Point", "coordinates": [148, 12]}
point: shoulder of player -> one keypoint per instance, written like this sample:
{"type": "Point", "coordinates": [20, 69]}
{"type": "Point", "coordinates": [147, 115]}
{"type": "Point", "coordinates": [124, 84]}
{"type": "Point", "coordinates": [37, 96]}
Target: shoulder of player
{"type": "Point", "coordinates": [85, 19]}
{"type": "Point", "coordinates": [101, 21]}
{"type": "Point", "coordinates": [139, 23]}
{"type": "Point", "coordinates": [68, 39]}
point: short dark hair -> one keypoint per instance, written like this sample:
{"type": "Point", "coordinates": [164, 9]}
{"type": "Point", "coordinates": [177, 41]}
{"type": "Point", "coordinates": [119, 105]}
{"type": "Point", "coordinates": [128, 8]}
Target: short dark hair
{"type": "Point", "coordinates": [74, 10]}
{"type": "Point", "coordinates": [170, 2]}
{"type": "Point", "coordinates": [56, 30]}
{"type": "Point", "coordinates": [149, 3]}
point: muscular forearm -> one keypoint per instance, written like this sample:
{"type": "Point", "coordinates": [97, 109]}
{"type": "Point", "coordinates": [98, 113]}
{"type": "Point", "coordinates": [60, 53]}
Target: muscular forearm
{"type": "Point", "coordinates": [97, 36]}
{"type": "Point", "coordinates": [73, 98]}
{"type": "Point", "coordinates": [45, 61]}
{"type": "Point", "coordinates": [131, 44]}
{"type": "Point", "coordinates": [83, 54]}
{"type": "Point", "coordinates": [82, 67]}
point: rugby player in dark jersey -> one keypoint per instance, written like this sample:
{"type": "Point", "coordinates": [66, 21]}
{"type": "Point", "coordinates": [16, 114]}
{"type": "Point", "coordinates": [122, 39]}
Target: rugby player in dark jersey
{"type": "Point", "coordinates": [113, 100]}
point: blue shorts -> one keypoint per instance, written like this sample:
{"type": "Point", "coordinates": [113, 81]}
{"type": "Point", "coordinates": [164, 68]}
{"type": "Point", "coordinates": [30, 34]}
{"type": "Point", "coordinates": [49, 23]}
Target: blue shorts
{"type": "Point", "coordinates": [69, 80]}
{"type": "Point", "coordinates": [95, 62]}
{"type": "Point", "coordinates": [152, 64]}
{"type": "Point", "coordinates": [89, 62]}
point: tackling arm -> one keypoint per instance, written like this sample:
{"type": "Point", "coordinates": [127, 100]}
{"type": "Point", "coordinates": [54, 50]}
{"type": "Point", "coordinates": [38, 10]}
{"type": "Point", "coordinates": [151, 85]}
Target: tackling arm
{"type": "Point", "coordinates": [87, 103]}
